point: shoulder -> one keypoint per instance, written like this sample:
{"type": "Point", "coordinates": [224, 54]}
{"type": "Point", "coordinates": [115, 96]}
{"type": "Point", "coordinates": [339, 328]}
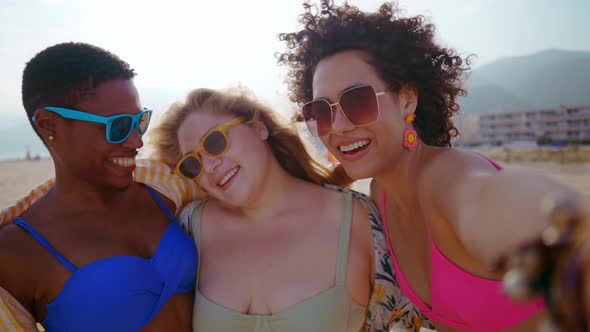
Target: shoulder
{"type": "Point", "coordinates": [450, 171]}
{"type": "Point", "coordinates": [186, 214]}
{"type": "Point", "coordinates": [17, 258]}
{"type": "Point", "coordinates": [363, 209]}
{"type": "Point", "coordinates": [360, 199]}
{"type": "Point", "coordinates": [11, 240]}
{"type": "Point", "coordinates": [453, 162]}
{"type": "Point", "coordinates": [364, 215]}
{"type": "Point", "coordinates": [16, 243]}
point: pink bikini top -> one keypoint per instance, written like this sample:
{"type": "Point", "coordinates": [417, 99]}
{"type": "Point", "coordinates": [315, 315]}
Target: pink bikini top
{"type": "Point", "coordinates": [460, 299]}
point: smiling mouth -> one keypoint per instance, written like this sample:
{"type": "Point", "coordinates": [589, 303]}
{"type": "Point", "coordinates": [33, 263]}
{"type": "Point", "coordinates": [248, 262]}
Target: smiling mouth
{"type": "Point", "coordinates": [354, 147]}
{"type": "Point", "coordinates": [123, 162]}
{"type": "Point", "coordinates": [228, 176]}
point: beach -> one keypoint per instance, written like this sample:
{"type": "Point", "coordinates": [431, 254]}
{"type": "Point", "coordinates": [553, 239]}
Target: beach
{"type": "Point", "coordinates": [19, 177]}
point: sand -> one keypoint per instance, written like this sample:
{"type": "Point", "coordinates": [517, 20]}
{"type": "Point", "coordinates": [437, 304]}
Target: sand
{"type": "Point", "coordinates": [17, 178]}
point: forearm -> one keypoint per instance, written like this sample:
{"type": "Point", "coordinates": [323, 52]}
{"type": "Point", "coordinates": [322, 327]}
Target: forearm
{"type": "Point", "coordinates": [13, 316]}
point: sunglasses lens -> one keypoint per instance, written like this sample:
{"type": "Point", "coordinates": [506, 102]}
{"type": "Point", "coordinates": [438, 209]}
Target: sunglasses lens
{"type": "Point", "coordinates": [360, 105]}
{"type": "Point", "coordinates": [120, 129]}
{"type": "Point", "coordinates": [215, 143]}
{"type": "Point", "coordinates": [144, 122]}
{"type": "Point", "coordinates": [190, 167]}
{"type": "Point", "coordinates": [318, 117]}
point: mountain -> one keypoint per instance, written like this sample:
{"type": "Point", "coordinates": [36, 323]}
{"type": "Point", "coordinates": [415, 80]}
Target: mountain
{"type": "Point", "coordinates": [542, 80]}
{"type": "Point", "coordinates": [489, 97]}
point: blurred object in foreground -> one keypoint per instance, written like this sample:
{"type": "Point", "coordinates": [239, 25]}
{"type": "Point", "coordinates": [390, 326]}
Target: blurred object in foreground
{"type": "Point", "coordinates": [556, 266]}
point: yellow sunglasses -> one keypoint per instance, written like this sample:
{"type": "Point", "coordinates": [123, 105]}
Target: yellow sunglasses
{"type": "Point", "coordinates": [214, 143]}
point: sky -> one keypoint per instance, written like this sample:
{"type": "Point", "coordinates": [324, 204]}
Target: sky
{"type": "Point", "coordinates": [176, 46]}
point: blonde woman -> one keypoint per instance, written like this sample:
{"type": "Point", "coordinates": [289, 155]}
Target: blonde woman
{"type": "Point", "coordinates": [276, 249]}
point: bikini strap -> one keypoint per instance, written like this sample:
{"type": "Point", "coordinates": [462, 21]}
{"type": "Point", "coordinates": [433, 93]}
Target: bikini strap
{"type": "Point", "coordinates": [384, 220]}
{"type": "Point", "coordinates": [195, 227]}
{"type": "Point", "coordinates": [344, 239]}
{"type": "Point", "coordinates": [22, 224]}
{"type": "Point", "coordinates": [161, 204]}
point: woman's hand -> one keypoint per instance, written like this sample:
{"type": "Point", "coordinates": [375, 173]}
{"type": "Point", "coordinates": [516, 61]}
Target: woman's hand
{"type": "Point", "coordinates": [556, 266]}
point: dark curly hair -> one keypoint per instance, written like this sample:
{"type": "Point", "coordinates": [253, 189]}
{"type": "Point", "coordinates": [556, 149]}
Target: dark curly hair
{"type": "Point", "coordinates": [65, 74]}
{"type": "Point", "coordinates": [401, 49]}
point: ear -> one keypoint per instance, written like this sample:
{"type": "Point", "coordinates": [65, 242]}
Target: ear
{"type": "Point", "coordinates": [45, 123]}
{"type": "Point", "coordinates": [408, 97]}
{"type": "Point", "coordinates": [261, 129]}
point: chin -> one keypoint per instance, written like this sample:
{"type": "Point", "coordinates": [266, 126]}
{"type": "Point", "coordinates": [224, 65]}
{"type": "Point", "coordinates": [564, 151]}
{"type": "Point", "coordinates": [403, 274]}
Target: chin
{"type": "Point", "coordinates": [359, 171]}
{"type": "Point", "coordinates": [121, 184]}
{"type": "Point", "coordinates": [236, 199]}
{"type": "Point", "coordinates": [233, 200]}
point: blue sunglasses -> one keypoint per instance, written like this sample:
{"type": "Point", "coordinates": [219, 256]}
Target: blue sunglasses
{"type": "Point", "coordinates": [119, 126]}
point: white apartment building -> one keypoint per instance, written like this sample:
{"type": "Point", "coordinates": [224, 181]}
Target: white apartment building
{"type": "Point", "coordinates": [565, 124]}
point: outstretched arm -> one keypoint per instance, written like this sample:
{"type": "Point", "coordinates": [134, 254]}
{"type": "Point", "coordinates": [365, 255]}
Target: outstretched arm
{"type": "Point", "coordinates": [538, 227]}
{"type": "Point", "coordinates": [494, 211]}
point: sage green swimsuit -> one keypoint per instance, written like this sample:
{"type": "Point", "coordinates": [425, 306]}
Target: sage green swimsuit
{"type": "Point", "coordinates": [332, 310]}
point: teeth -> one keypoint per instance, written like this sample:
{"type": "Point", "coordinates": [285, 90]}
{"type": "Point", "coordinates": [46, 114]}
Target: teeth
{"type": "Point", "coordinates": [124, 162]}
{"type": "Point", "coordinates": [353, 146]}
{"type": "Point", "coordinates": [228, 176]}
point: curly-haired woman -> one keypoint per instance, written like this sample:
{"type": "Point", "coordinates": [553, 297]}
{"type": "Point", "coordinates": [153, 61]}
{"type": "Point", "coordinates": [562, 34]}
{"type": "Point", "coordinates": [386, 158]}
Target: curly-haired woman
{"type": "Point", "coordinates": [380, 94]}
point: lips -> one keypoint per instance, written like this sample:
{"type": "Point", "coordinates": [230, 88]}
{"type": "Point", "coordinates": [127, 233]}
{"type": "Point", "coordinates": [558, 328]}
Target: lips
{"type": "Point", "coordinates": [228, 176]}
{"type": "Point", "coordinates": [123, 162]}
{"type": "Point", "coordinates": [353, 147]}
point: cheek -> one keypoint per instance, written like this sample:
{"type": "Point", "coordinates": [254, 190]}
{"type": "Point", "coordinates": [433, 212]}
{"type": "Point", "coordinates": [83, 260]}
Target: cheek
{"type": "Point", "coordinates": [83, 145]}
{"type": "Point", "coordinates": [88, 139]}
{"type": "Point", "coordinates": [390, 126]}
{"type": "Point", "coordinates": [252, 155]}
{"type": "Point", "coordinates": [204, 182]}
{"type": "Point", "coordinates": [244, 147]}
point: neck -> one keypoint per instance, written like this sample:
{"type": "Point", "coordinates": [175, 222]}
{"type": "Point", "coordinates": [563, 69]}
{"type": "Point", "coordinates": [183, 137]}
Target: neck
{"type": "Point", "coordinates": [274, 194]}
{"type": "Point", "coordinates": [400, 180]}
{"type": "Point", "coordinates": [81, 195]}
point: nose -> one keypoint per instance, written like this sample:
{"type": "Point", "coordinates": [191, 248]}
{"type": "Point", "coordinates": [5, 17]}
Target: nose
{"type": "Point", "coordinates": [134, 141]}
{"type": "Point", "coordinates": [210, 163]}
{"type": "Point", "coordinates": [340, 124]}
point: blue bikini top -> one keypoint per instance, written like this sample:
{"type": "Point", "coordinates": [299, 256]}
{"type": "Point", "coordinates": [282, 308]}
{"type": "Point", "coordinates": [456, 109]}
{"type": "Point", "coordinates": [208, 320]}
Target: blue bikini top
{"type": "Point", "coordinates": [122, 293]}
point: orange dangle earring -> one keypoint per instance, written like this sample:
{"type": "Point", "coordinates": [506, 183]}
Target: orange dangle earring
{"type": "Point", "coordinates": [410, 134]}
